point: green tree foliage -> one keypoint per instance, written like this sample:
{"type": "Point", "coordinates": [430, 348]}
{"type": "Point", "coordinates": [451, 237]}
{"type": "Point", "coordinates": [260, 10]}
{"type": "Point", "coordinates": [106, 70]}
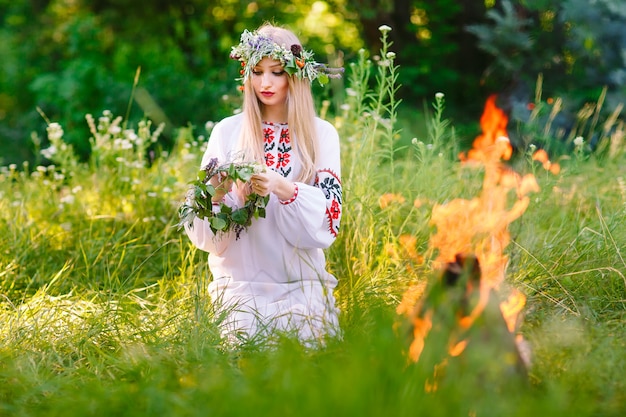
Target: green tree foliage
{"type": "Point", "coordinates": [577, 45]}
{"type": "Point", "coordinates": [434, 50]}
{"type": "Point", "coordinates": [71, 58]}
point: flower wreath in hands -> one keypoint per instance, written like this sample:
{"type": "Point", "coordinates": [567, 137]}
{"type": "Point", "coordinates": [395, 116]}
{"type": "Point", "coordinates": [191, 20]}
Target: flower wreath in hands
{"type": "Point", "coordinates": [199, 199]}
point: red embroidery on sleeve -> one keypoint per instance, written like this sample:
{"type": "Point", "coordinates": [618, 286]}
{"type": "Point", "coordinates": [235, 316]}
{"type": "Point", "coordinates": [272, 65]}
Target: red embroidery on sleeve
{"type": "Point", "coordinates": [330, 184]}
{"type": "Point", "coordinates": [293, 198]}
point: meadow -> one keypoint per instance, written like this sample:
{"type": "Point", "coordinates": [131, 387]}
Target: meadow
{"type": "Point", "coordinates": [104, 310]}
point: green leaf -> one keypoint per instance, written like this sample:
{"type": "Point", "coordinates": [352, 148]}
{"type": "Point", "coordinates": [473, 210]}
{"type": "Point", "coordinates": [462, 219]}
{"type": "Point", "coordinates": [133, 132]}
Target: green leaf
{"type": "Point", "coordinates": [245, 173]}
{"type": "Point", "coordinates": [240, 216]}
{"type": "Point", "coordinates": [290, 67]}
{"type": "Point", "coordinates": [218, 223]}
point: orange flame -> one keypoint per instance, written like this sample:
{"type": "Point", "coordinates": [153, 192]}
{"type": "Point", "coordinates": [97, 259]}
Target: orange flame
{"type": "Point", "coordinates": [387, 199]}
{"type": "Point", "coordinates": [493, 143]}
{"type": "Point", "coordinates": [541, 156]}
{"type": "Point", "coordinates": [479, 226]}
{"type": "Point", "coordinates": [511, 308]}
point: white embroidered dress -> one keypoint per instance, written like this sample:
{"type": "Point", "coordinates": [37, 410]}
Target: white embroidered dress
{"type": "Point", "coordinates": [273, 276]}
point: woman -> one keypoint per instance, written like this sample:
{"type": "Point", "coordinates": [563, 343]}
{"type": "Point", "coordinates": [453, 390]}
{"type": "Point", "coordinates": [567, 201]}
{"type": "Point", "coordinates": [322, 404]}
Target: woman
{"type": "Point", "coordinates": [272, 276]}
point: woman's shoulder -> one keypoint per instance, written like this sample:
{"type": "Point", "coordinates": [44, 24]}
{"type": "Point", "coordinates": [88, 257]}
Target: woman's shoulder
{"type": "Point", "coordinates": [229, 123]}
{"type": "Point", "coordinates": [323, 124]}
{"type": "Point", "coordinates": [324, 127]}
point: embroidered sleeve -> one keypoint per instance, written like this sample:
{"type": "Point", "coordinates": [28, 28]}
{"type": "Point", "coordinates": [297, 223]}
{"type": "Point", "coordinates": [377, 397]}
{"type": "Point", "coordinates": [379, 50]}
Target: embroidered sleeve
{"type": "Point", "coordinates": [329, 182]}
{"type": "Point", "coordinates": [293, 198]}
{"type": "Point", "coordinates": [311, 219]}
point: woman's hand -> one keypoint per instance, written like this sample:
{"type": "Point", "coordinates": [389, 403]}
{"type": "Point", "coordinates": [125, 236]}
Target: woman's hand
{"type": "Point", "coordinates": [271, 181]}
{"type": "Point", "coordinates": [221, 185]}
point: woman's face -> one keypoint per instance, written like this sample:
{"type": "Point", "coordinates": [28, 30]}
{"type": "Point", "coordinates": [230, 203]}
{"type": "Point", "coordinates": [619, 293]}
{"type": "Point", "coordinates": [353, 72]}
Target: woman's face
{"type": "Point", "coordinates": [270, 84]}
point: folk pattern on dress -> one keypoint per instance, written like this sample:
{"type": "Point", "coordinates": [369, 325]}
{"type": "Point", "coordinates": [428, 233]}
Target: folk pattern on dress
{"type": "Point", "coordinates": [277, 153]}
{"type": "Point", "coordinates": [278, 157]}
{"type": "Point", "coordinates": [329, 183]}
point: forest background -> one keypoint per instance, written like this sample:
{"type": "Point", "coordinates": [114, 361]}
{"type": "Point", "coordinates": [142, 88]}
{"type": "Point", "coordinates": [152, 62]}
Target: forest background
{"type": "Point", "coordinates": [103, 300]}
{"type": "Point", "coordinates": [66, 58]}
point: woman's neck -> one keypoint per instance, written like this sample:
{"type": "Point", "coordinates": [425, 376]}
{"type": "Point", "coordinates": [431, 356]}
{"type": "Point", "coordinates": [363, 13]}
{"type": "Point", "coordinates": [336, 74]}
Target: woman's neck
{"type": "Point", "coordinates": [274, 115]}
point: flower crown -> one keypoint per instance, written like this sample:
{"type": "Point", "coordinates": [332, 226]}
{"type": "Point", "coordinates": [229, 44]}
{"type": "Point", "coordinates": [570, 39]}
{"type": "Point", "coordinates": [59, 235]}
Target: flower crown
{"type": "Point", "coordinates": [253, 47]}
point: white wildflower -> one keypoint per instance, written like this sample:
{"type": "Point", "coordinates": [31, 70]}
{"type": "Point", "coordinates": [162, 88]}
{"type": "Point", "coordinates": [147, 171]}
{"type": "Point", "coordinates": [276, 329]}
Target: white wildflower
{"type": "Point", "coordinates": [439, 96]}
{"type": "Point", "coordinates": [130, 134]}
{"type": "Point", "coordinates": [55, 131]}
{"type": "Point", "coordinates": [384, 29]}
{"type": "Point", "coordinates": [579, 141]}
{"type": "Point", "coordinates": [68, 199]}
{"type": "Point", "coordinates": [391, 55]}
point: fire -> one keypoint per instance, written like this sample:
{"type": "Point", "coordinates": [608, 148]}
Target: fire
{"type": "Point", "coordinates": [476, 227]}
{"type": "Point", "coordinates": [511, 308]}
{"type": "Point", "coordinates": [493, 143]}
{"type": "Point", "coordinates": [541, 156]}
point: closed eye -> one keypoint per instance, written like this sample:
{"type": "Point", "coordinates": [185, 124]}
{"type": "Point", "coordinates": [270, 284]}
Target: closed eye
{"type": "Point", "coordinates": [277, 73]}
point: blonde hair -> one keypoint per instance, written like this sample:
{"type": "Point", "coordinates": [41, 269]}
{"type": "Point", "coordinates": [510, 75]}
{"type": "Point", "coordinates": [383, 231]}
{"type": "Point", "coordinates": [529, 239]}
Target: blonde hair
{"type": "Point", "coordinates": [300, 115]}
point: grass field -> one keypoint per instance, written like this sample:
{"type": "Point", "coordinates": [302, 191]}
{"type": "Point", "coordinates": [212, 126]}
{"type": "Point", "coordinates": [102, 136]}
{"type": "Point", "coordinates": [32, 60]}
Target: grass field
{"type": "Point", "coordinates": [104, 310]}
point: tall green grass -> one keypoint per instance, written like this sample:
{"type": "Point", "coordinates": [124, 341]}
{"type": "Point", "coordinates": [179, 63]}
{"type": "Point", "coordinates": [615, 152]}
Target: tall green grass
{"type": "Point", "coordinates": [104, 309]}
